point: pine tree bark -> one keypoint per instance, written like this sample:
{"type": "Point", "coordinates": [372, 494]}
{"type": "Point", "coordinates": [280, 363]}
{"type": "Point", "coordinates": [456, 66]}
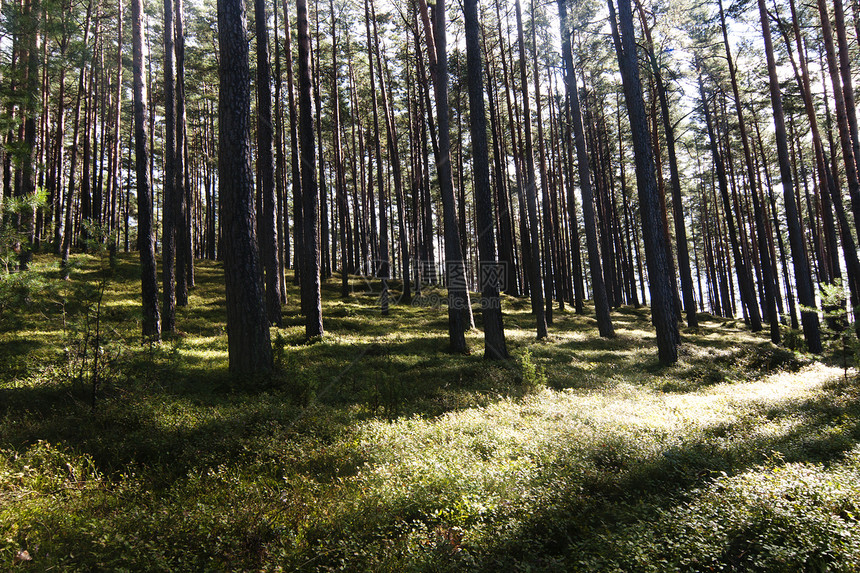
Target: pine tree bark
{"type": "Point", "coordinates": [662, 299]}
{"type": "Point", "coordinates": [601, 302]}
{"type": "Point", "coordinates": [145, 238]}
{"type": "Point", "coordinates": [382, 271]}
{"type": "Point", "coordinates": [495, 347]}
{"type": "Point", "coordinates": [340, 176]}
{"type": "Point", "coordinates": [295, 161]}
{"type": "Point", "coordinates": [803, 277]}
{"type": "Point", "coordinates": [394, 160]}
{"type": "Point", "coordinates": [168, 210]}
{"type": "Point", "coordinates": [310, 260]}
{"type": "Point", "coordinates": [265, 166]}
{"type": "Point", "coordinates": [531, 189]}
{"type": "Point", "coordinates": [845, 139]}
{"type": "Point", "coordinates": [181, 190]}
{"type": "Point", "coordinates": [248, 342]}
{"type": "Point", "coordinates": [458, 295]}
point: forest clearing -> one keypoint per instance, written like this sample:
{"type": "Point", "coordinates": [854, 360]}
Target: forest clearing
{"type": "Point", "coordinates": [374, 449]}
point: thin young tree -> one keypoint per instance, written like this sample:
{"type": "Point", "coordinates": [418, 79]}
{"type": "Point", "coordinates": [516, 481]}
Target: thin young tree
{"type": "Point", "coordinates": [248, 343]}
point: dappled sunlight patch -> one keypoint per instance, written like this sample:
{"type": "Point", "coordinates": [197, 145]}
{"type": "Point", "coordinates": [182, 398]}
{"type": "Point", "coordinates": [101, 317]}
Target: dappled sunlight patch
{"type": "Point", "coordinates": [374, 448]}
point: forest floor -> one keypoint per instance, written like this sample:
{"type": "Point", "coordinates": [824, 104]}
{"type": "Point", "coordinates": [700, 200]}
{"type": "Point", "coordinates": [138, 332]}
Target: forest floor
{"type": "Point", "coordinates": [373, 449]}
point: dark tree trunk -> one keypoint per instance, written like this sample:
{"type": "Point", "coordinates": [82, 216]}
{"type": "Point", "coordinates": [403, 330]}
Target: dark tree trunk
{"type": "Point", "coordinates": [805, 293]}
{"type": "Point", "coordinates": [674, 180]}
{"type": "Point", "coordinates": [181, 190]}
{"type": "Point", "coordinates": [310, 260]}
{"type": "Point", "coordinates": [340, 177]}
{"type": "Point", "coordinates": [68, 229]}
{"type": "Point", "coordinates": [534, 269]}
{"type": "Point", "coordinates": [662, 299]}
{"type": "Point", "coordinates": [394, 160]}
{"type": "Point", "coordinates": [383, 269]}
{"type": "Point", "coordinates": [458, 295]}
{"type": "Point", "coordinates": [601, 302]}
{"type": "Point", "coordinates": [249, 346]}
{"type": "Point", "coordinates": [842, 122]}
{"type": "Point", "coordinates": [168, 211]}
{"type": "Point", "coordinates": [145, 239]}
{"type": "Point", "coordinates": [295, 161]}
{"type": "Point", "coordinates": [265, 166]}
{"type": "Point", "coordinates": [491, 309]}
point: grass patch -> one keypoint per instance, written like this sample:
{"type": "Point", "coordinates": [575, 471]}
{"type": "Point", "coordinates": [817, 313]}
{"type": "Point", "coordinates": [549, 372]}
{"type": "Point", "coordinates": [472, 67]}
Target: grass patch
{"type": "Point", "coordinates": [374, 449]}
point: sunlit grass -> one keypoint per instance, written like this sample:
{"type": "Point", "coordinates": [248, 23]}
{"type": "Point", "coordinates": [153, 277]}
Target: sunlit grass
{"type": "Point", "coordinates": [375, 449]}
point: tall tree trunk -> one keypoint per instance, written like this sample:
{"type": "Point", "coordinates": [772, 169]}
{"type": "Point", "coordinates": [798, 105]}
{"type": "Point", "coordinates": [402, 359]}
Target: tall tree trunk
{"type": "Point", "coordinates": [68, 230]}
{"type": "Point", "coordinates": [382, 271]}
{"type": "Point", "coordinates": [662, 299]}
{"type": "Point", "coordinates": [282, 226]}
{"type": "Point", "coordinates": [394, 160]}
{"type": "Point", "coordinates": [531, 189]}
{"type": "Point", "coordinates": [265, 166]}
{"type": "Point", "coordinates": [181, 192]}
{"type": "Point", "coordinates": [805, 293]}
{"type": "Point", "coordinates": [491, 308]}
{"type": "Point", "coordinates": [458, 295]}
{"type": "Point", "coordinates": [310, 260]}
{"type": "Point", "coordinates": [248, 342]}
{"type": "Point", "coordinates": [601, 302]}
{"type": "Point", "coordinates": [145, 238]}
{"type": "Point", "coordinates": [845, 139]}
{"type": "Point", "coordinates": [322, 234]}
{"type": "Point", "coordinates": [340, 177]}
{"type": "Point", "coordinates": [169, 212]}
{"type": "Point", "coordinates": [295, 161]}
{"type": "Point", "coordinates": [674, 178]}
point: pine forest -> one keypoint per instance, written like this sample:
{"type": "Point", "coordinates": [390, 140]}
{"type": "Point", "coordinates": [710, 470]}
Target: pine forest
{"type": "Point", "coordinates": [395, 285]}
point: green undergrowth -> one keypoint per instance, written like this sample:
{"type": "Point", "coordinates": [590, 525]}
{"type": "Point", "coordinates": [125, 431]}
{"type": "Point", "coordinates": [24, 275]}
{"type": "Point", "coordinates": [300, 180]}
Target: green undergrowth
{"type": "Point", "coordinates": [374, 449]}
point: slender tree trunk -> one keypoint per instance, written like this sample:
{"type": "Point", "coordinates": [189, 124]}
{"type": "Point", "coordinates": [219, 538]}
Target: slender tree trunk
{"type": "Point", "coordinates": [531, 189]}
{"type": "Point", "coordinates": [310, 260]}
{"type": "Point", "coordinates": [68, 230]}
{"type": "Point", "coordinates": [394, 160]}
{"type": "Point", "coordinates": [491, 308]}
{"type": "Point", "coordinates": [295, 161]}
{"type": "Point", "coordinates": [662, 299]}
{"type": "Point", "coordinates": [282, 226]}
{"type": "Point", "coordinates": [169, 212]}
{"type": "Point", "coordinates": [340, 177]}
{"type": "Point", "coordinates": [845, 139]}
{"type": "Point", "coordinates": [383, 269]}
{"type": "Point", "coordinates": [181, 193]}
{"type": "Point", "coordinates": [265, 166]}
{"type": "Point", "coordinates": [145, 238]}
{"type": "Point", "coordinates": [458, 295]}
{"type": "Point", "coordinates": [805, 293]}
{"type": "Point", "coordinates": [601, 301]}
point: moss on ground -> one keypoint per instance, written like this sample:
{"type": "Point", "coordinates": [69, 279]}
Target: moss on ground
{"type": "Point", "coordinates": [375, 449]}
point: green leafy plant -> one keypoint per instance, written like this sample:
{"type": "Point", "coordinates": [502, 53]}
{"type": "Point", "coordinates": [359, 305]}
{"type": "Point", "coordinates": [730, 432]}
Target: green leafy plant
{"type": "Point", "coordinates": [13, 239]}
{"type": "Point", "coordinates": [840, 340]}
{"type": "Point", "coordinates": [533, 375]}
